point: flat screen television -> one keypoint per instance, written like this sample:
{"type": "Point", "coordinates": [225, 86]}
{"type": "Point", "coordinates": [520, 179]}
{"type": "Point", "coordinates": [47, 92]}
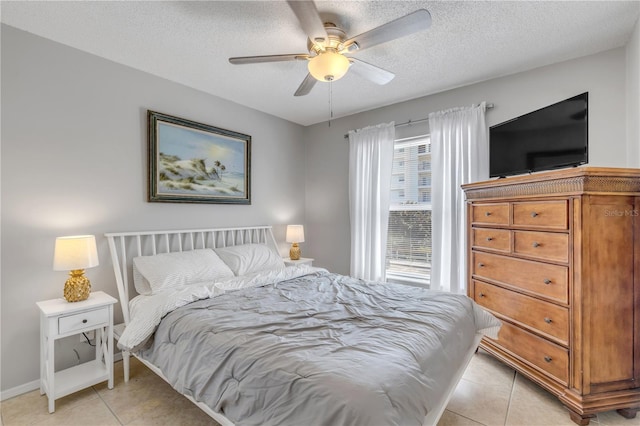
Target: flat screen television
{"type": "Point", "coordinates": [552, 137]}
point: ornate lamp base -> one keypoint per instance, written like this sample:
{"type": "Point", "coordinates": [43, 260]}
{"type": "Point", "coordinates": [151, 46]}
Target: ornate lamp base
{"type": "Point", "coordinates": [294, 253]}
{"type": "Point", "coordinates": [77, 287]}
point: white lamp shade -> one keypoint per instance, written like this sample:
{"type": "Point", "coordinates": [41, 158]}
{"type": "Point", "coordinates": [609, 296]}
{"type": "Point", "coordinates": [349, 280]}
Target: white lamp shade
{"type": "Point", "coordinates": [328, 66]}
{"type": "Point", "coordinates": [295, 234]}
{"type": "Point", "coordinates": [75, 252]}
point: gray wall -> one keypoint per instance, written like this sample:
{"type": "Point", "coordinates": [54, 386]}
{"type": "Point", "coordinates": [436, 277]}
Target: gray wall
{"type": "Point", "coordinates": [603, 75]}
{"type": "Point", "coordinates": [74, 162]}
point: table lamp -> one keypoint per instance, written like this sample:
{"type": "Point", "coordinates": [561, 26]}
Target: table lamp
{"type": "Point", "coordinates": [74, 254]}
{"type": "Point", "coordinates": [295, 235]}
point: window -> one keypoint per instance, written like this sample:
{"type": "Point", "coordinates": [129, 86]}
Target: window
{"type": "Point", "coordinates": [409, 235]}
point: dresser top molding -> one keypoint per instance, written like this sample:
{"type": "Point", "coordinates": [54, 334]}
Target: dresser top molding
{"type": "Point", "coordinates": [573, 181]}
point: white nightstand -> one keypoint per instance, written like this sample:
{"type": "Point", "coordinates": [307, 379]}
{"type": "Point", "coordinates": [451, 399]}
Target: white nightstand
{"type": "Point", "coordinates": [58, 319]}
{"type": "Point", "coordinates": [301, 261]}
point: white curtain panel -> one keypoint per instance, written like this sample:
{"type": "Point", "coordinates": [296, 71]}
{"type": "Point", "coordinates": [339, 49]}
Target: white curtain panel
{"type": "Point", "coordinates": [459, 155]}
{"type": "Point", "coordinates": [370, 163]}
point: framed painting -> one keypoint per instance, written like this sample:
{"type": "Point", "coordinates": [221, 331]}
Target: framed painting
{"type": "Point", "coordinates": [191, 162]}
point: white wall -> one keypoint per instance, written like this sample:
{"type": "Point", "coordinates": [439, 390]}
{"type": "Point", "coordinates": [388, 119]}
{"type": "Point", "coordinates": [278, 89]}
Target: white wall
{"type": "Point", "coordinates": [603, 75]}
{"type": "Point", "coordinates": [633, 98]}
{"type": "Point", "coordinates": [74, 162]}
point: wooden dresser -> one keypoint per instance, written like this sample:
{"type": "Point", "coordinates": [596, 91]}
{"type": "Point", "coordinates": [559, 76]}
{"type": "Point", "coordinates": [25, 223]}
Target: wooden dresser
{"type": "Point", "coordinates": [556, 256]}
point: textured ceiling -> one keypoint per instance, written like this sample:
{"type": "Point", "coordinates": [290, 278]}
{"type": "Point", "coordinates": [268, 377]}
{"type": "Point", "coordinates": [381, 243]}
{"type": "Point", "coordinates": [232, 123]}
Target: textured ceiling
{"type": "Point", "coordinates": [190, 43]}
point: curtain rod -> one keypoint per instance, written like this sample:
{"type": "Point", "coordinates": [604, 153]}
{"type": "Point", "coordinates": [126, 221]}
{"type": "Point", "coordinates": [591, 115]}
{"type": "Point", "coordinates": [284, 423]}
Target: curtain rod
{"type": "Point", "coordinates": [410, 122]}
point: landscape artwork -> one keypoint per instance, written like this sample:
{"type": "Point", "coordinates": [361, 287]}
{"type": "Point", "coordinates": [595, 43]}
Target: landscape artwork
{"type": "Point", "coordinates": [192, 162]}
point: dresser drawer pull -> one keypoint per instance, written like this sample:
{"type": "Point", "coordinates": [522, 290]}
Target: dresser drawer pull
{"type": "Point", "coordinates": [547, 281]}
{"type": "Point", "coordinates": [534, 214]}
{"type": "Point", "coordinates": [536, 244]}
{"type": "Point", "coordinates": [489, 238]}
{"type": "Point", "coordinates": [487, 213]}
{"type": "Point", "coordinates": [548, 358]}
{"type": "Point", "coordinates": [548, 320]}
{"type": "Point", "coordinates": [480, 265]}
{"type": "Point", "coordinates": [481, 294]}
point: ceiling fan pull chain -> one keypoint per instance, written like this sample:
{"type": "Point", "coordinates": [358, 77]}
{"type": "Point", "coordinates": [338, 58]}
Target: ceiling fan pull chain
{"type": "Point", "coordinates": [330, 101]}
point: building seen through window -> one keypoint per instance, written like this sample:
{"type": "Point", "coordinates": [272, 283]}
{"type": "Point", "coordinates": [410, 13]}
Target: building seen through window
{"type": "Point", "coordinates": [409, 235]}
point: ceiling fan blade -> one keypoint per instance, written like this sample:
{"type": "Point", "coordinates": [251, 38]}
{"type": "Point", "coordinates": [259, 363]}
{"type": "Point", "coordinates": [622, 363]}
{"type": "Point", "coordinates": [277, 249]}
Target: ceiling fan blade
{"type": "Point", "coordinates": [370, 72]}
{"type": "Point", "coordinates": [306, 86]}
{"type": "Point", "coordinates": [310, 20]}
{"type": "Point", "coordinates": [409, 24]}
{"type": "Point", "coordinates": [268, 58]}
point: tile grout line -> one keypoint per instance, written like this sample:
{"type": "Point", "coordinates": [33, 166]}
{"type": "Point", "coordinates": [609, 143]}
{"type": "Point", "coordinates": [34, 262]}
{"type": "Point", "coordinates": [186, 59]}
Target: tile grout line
{"type": "Point", "coordinates": [513, 389]}
{"type": "Point", "coordinates": [469, 418]}
{"type": "Point", "coordinates": [108, 406]}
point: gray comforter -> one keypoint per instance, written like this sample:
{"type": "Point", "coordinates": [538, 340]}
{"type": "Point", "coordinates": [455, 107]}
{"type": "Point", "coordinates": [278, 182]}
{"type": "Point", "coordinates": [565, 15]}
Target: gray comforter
{"type": "Point", "coordinates": [322, 349]}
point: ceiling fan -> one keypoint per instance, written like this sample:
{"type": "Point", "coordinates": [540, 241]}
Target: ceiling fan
{"type": "Point", "coordinates": [329, 46]}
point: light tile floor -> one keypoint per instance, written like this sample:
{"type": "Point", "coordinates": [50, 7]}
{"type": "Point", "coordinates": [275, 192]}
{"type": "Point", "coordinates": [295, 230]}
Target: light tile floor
{"type": "Point", "coordinates": [489, 394]}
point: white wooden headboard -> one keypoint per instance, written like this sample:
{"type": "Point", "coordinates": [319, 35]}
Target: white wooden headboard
{"type": "Point", "coordinates": [124, 246]}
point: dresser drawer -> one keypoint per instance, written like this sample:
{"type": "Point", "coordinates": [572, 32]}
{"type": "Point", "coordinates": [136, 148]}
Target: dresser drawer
{"type": "Point", "coordinates": [494, 239]}
{"type": "Point", "coordinates": [490, 213]}
{"type": "Point", "coordinates": [83, 320]}
{"type": "Point", "coordinates": [542, 245]}
{"type": "Point", "coordinates": [549, 357]}
{"type": "Point", "coordinates": [544, 317]}
{"type": "Point", "coordinates": [541, 214]}
{"type": "Point", "coordinates": [542, 279]}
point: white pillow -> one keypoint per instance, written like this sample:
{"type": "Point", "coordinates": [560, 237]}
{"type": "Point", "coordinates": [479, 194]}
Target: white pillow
{"type": "Point", "coordinates": [167, 270]}
{"type": "Point", "coordinates": [248, 258]}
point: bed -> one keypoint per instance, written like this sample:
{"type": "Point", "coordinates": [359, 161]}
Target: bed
{"type": "Point", "coordinates": [216, 314]}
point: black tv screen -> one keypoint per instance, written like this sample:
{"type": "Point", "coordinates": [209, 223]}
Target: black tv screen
{"type": "Point", "coordinates": [552, 137]}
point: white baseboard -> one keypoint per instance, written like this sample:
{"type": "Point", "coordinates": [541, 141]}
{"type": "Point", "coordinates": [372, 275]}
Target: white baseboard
{"type": "Point", "coordinates": [31, 386]}
{"type": "Point", "coordinates": [19, 390]}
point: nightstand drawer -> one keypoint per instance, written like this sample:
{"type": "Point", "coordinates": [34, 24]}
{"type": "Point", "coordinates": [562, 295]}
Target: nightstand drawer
{"type": "Point", "coordinates": [83, 320]}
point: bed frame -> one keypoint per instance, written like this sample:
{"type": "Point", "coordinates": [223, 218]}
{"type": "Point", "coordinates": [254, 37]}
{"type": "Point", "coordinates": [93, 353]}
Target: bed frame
{"type": "Point", "coordinates": [124, 246]}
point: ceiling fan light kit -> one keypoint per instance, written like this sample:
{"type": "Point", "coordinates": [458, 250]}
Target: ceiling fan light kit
{"type": "Point", "coordinates": [328, 46]}
{"type": "Point", "coordinates": [328, 66]}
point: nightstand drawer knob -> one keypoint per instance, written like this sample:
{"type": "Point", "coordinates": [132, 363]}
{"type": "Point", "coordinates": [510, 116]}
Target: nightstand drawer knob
{"type": "Point", "coordinates": [534, 214]}
{"type": "Point", "coordinates": [548, 358]}
{"type": "Point", "coordinates": [487, 214]}
{"type": "Point", "coordinates": [84, 321]}
{"type": "Point", "coordinates": [480, 265]}
{"type": "Point", "coordinates": [536, 244]}
{"type": "Point", "coordinates": [489, 238]}
{"type": "Point", "coordinates": [548, 320]}
{"type": "Point", "coordinates": [547, 281]}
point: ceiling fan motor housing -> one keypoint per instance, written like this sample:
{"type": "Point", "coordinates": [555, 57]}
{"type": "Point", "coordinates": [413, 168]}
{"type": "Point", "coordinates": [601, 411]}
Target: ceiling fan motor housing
{"type": "Point", "coordinates": [335, 39]}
